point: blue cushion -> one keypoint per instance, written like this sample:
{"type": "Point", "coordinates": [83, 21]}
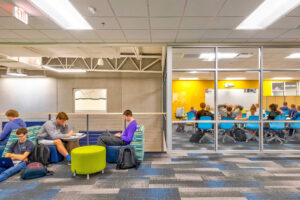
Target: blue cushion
{"type": "Point", "coordinates": [112, 153]}
{"type": "Point", "coordinates": [55, 156]}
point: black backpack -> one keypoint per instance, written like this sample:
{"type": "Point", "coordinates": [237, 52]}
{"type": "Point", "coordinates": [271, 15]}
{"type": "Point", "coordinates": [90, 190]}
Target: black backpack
{"type": "Point", "coordinates": [127, 158]}
{"type": "Point", "coordinates": [196, 136]}
{"type": "Point", "coordinates": [40, 154]}
{"type": "Point", "coordinates": [239, 135]}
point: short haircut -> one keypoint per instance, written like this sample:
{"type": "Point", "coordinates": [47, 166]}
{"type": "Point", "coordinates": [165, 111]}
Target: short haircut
{"type": "Point", "coordinates": [285, 103]}
{"type": "Point", "coordinates": [273, 107]}
{"type": "Point", "coordinates": [21, 131]}
{"type": "Point", "coordinates": [293, 106]}
{"type": "Point", "coordinates": [298, 108]}
{"type": "Point", "coordinates": [127, 113]}
{"type": "Point", "coordinates": [12, 113]}
{"type": "Point", "coordinates": [202, 105]}
{"type": "Point", "coordinates": [62, 116]}
{"type": "Point", "coordinates": [229, 108]}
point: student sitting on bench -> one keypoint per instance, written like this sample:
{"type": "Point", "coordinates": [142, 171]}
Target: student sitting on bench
{"type": "Point", "coordinates": [18, 150]}
{"type": "Point", "coordinates": [52, 132]}
{"type": "Point", "coordinates": [120, 139]}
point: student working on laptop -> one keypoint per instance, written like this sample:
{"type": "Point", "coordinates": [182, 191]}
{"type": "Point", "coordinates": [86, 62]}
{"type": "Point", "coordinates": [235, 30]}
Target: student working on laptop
{"type": "Point", "coordinates": [52, 132]}
{"type": "Point", "coordinates": [19, 151]}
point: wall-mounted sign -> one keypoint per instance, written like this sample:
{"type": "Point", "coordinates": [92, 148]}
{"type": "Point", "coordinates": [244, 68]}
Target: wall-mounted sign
{"type": "Point", "coordinates": [20, 14]}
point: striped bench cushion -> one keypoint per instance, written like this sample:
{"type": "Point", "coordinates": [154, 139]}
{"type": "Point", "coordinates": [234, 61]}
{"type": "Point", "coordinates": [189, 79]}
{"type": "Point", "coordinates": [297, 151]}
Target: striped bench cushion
{"type": "Point", "coordinates": [138, 142]}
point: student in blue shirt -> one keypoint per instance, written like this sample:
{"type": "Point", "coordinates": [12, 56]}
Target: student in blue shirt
{"type": "Point", "coordinates": [284, 107]}
{"type": "Point", "coordinates": [295, 116]}
{"type": "Point", "coordinates": [14, 122]}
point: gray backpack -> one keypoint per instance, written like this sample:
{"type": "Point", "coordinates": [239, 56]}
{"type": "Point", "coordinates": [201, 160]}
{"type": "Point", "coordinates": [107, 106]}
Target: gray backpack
{"type": "Point", "coordinates": [127, 158]}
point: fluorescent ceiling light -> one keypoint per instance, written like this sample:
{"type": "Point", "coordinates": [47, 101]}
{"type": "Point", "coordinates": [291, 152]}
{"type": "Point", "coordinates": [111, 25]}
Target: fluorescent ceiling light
{"type": "Point", "coordinates": [15, 74]}
{"type": "Point", "coordinates": [64, 70]}
{"type": "Point", "coordinates": [63, 13]}
{"type": "Point", "coordinates": [267, 13]}
{"type": "Point", "coordinates": [293, 55]}
{"type": "Point", "coordinates": [282, 78]}
{"type": "Point", "coordinates": [235, 78]}
{"type": "Point", "coordinates": [188, 79]}
{"type": "Point", "coordinates": [211, 56]}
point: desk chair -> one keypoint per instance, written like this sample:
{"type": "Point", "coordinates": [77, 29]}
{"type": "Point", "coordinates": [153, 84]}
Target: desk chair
{"type": "Point", "coordinates": [225, 128]}
{"type": "Point", "coordinates": [276, 129]}
{"type": "Point", "coordinates": [252, 126]}
{"type": "Point", "coordinates": [191, 116]}
{"type": "Point", "coordinates": [294, 126]}
{"type": "Point", "coordinates": [286, 112]}
{"type": "Point", "coordinates": [267, 112]}
{"type": "Point", "coordinates": [244, 115]}
{"type": "Point", "coordinates": [206, 128]}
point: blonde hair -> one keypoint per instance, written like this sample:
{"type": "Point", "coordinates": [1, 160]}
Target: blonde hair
{"type": "Point", "coordinates": [253, 109]}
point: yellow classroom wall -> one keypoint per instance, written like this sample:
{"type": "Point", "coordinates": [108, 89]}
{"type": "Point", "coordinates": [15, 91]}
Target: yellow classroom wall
{"type": "Point", "coordinates": [192, 93]}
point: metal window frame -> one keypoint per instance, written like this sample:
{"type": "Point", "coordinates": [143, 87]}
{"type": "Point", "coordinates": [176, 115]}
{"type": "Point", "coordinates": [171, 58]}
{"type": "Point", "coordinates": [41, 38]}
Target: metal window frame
{"type": "Point", "coordinates": [216, 69]}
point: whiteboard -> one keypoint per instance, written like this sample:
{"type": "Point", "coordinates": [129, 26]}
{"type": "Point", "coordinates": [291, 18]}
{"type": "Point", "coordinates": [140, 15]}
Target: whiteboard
{"type": "Point", "coordinates": [243, 97]}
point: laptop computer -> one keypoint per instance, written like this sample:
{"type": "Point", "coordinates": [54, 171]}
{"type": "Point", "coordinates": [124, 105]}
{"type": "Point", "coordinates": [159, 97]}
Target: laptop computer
{"type": "Point", "coordinates": [6, 162]}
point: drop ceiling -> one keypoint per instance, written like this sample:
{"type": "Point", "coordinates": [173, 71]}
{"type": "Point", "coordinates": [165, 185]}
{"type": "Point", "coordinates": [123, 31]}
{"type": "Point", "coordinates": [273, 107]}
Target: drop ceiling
{"type": "Point", "coordinates": [149, 21]}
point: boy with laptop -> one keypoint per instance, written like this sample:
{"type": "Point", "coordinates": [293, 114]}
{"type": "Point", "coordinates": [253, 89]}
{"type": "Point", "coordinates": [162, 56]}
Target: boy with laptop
{"type": "Point", "coordinates": [18, 152]}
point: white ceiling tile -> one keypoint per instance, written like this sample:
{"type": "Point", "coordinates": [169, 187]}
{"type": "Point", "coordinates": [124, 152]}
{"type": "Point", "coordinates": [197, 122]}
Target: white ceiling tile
{"type": "Point", "coordinates": [166, 35]}
{"type": "Point", "coordinates": [241, 34]}
{"type": "Point", "coordinates": [140, 40]}
{"type": "Point", "coordinates": [130, 8]}
{"type": "Point", "coordinates": [202, 8]}
{"type": "Point", "coordinates": [241, 8]}
{"type": "Point", "coordinates": [41, 22]}
{"type": "Point", "coordinates": [31, 34]}
{"type": "Point", "coordinates": [57, 34]}
{"type": "Point", "coordinates": [166, 8]}
{"type": "Point", "coordinates": [225, 22]}
{"type": "Point", "coordinates": [268, 33]}
{"type": "Point", "coordinates": [291, 34]}
{"type": "Point", "coordinates": [216, 33]}
{"type": "Point", "coordinates": [295, 12]}
{"type": "Point", "coordinates": [12, 23]}
{"type": "Point", "coordinates": [196, 22]}
{"type": "Point", "coordinates": [143, 35]}
{"type": "Point", "coordinates": [8, 34]}
{"type": "Point", "coordinates": [164, 22]}
{"type": "Point", "coordinates": [286, 23]}
{"type": "Point", "coordinates": [134, 22]}
{"type": "Point", "coordinates": [84, 34]}
{"type": "Point", "coordinates": [102, 7]}
{"type": "Point", "coordinates": [97, 22]}
{"type": "Point", "coordinates": [189, 35]}
{"type": "Point", "coordinates": [4, 13]}
{"type": "Point", "coordinates": [111, 35]}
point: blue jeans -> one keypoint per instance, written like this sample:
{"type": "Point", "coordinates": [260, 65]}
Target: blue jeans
{"type": "Point", "coordinates": [11, 171]}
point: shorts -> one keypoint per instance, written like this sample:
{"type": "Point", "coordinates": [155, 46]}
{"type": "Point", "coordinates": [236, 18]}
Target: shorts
{"type": "Point", "coordinates": [46, 142]}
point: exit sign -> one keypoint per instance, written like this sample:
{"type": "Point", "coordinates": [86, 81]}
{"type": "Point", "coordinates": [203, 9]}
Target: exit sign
{"type": "Point", "coordinates": [20, 14]}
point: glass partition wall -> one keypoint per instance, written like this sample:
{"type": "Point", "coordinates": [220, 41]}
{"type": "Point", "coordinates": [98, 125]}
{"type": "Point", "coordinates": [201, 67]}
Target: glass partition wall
{"type": "Point", "coordinates": [233, 98]}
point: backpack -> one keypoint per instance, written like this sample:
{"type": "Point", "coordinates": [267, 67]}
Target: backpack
{"type": "Point", "coordinates": [40, 154]}
{"type": "Point", "coordinates": [127, 158]}
{"type": "Point", "coordinates": [35, 170]}
{"type": "Point", "coordinates": [239, 135]}
{"type": "Point", "coordinates": [196, 137]}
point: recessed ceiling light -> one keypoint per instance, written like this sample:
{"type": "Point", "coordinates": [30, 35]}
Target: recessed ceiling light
{"type": "Point", "coordinates": [235, 78]}
{"type": "Point", "coordinates": [64, 70]}
{"type": "Point", "coordinates": [211, 56]}
{"type": "Point", "coordinates": [267, 13]}
{"type": "Point", "coordinates": [293, 56]}
{"type": "Point", "coordinates": [188, 79]}
{"type": "Point", "coordinates": [63, 13]}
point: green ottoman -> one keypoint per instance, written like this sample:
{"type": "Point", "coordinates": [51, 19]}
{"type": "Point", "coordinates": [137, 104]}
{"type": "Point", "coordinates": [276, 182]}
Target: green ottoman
{"type": "Point", "coordinates": [88, 160]}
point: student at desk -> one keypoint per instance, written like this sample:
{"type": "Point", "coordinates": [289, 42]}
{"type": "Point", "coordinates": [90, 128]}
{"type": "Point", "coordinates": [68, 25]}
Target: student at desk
{"type": "Point", "coordinates": [253, 111]}
{"type": "Point", "coordinates": [229, 111]}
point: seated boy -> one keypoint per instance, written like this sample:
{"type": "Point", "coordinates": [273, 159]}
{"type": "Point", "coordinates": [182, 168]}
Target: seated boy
{"type": "Point", "coordinates": [19, 150]}
{"type": "Point", "coordinates": [120, 139]}
{"type": "Point", "coordinates": [52, 132]}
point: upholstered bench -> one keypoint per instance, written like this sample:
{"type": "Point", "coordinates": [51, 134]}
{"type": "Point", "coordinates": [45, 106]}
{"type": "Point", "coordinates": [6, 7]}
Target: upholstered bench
{"type": "Point", "coordinates": [112, 152]}
{"type": "Point", "coordinates": [88, 160]}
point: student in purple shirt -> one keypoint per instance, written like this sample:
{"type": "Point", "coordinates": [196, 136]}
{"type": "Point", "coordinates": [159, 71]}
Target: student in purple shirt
{"type": "Point", "coordinates": [120, 139]}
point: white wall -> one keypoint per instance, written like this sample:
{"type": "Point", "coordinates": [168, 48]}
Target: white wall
{"type": "Point", "coordinates": [28, 95]}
